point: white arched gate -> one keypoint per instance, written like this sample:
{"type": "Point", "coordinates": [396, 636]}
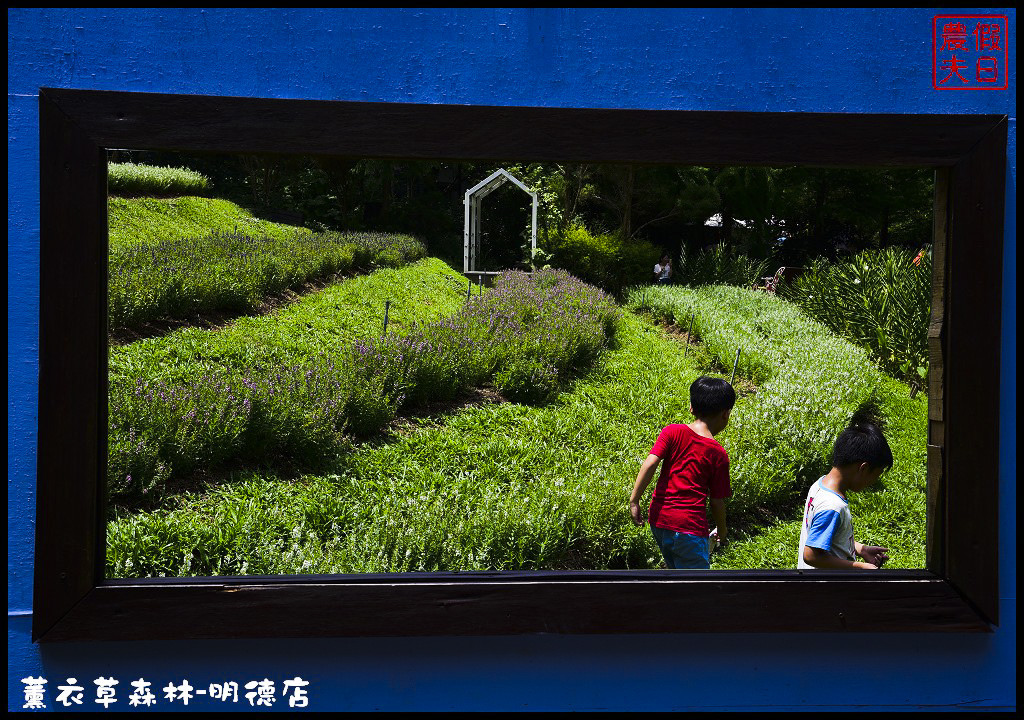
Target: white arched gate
{"type": "Point", "coordinates": [471, 233]}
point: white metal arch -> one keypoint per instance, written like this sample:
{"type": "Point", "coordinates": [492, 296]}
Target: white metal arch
{"type": "Point", "coordinates": [471, 232]}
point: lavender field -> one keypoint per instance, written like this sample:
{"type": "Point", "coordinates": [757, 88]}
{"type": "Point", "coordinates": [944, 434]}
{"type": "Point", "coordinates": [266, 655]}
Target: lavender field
{"type": "Point", "coordinates": [217, 406]}
{"type": "Point", "coordinates": [392, 418]}
{"type": "Point", "coordinates": [236, 271]}
{"type": "Point", "coordinates": [489, 482]}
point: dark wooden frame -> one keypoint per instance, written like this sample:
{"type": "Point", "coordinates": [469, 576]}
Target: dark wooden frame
{"type": "Point", "coordinates": [958, 591]}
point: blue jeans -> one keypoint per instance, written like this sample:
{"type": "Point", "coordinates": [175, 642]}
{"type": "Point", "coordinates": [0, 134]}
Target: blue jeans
{"type": "Point", "coordinates": [682, 551]}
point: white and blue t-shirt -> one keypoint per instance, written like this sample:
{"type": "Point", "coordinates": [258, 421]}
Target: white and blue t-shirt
{"type": "Point", "coordinates": [827, 525]}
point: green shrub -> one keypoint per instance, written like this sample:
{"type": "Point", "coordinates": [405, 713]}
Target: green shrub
{"type": "Point", "coordinates": [527, 380]}
{"type": "Point", "coordinates": [604, 259]}
{"type": "Point", "coordinates": [880, 299]}
{"type": "Point", "coordinates": [719, 265]}
{"type": "Point", "coordinates": [131, 180]}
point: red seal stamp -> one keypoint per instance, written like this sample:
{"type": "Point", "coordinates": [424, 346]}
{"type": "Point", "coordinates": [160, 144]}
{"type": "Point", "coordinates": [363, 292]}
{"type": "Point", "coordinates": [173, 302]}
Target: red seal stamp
{"type": "Point", "coordinates": [970, 52]}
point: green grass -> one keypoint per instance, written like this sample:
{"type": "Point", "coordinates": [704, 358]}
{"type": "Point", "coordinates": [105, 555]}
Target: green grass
{"type": "Point", "coordinates": [148, 220]}
{"type": "Point", "coordinates": [494, 487]}
{"type": "Point", "coordinates": [291, 387]}
{"type": "Point", "coordinates": [185, 400]}
{"type": "Point", "coordinates": [132, 179]}
{"type": "Point", "coordinates": [504, 486]}
{"type": "Point", "coordinates": [185, 259]}
{"type": "Point", "coordinates": [892, 514]}
{"type": "Point", "coordinates": [720, 265]}
{"type": "Point", "coordinates": [810, 384]}
{"type": "Point", "coordinates": [497, 486]}
{"type": "Point", "coordinates": [340, 313]}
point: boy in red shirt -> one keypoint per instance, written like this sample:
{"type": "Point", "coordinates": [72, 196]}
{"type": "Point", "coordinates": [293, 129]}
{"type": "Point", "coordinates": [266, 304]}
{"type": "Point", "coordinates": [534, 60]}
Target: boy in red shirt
{"type": "Point", "coordinates": [696, 469]}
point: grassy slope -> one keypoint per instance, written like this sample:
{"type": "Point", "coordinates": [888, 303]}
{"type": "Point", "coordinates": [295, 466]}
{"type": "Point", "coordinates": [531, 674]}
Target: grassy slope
{"type": "Point", "coordinates": [349, 310]}
{"type": "Point", "coordinates": [261, 386]}
{"type": "Point", "coordinates": [498, 486]}
{"type": "Point", "coordinates": [153, 219]}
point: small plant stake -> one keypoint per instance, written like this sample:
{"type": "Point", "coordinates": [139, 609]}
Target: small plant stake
{"type": "Point", "coordinates": [387, 307]}
{"type": "Point", "coordinates": [688, 334]}
{"type": "Point", "coordinates": [735, 364]}
{"type": "Point", "coordinates": [480, 284]}
{"type": "Point", "coordinates": [469, 290]}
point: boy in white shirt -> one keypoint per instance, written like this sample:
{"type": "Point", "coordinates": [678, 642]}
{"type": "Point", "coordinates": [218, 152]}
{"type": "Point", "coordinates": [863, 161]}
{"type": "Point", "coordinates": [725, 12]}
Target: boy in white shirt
{"type": "Point", "coordinates": [860, 456]}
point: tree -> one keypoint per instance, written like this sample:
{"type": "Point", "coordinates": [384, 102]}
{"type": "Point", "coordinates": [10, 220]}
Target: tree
{"type": "Point", "coordinates": [748, 193]}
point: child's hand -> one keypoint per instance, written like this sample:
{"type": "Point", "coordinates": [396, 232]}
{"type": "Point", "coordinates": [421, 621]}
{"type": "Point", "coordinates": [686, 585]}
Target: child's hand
{"type": "Point", "coordinates": [637, 513]}
{"type": "Point", "coordinates": [875, 555]}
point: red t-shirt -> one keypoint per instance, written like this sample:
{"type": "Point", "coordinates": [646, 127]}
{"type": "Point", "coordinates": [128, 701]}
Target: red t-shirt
{"type": "Point", "coordinates": [693, 468]}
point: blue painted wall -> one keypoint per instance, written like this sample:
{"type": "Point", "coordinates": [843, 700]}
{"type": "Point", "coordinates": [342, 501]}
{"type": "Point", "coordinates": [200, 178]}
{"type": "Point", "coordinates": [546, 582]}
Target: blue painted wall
{"type": "Point", "coordinates": [752, 60]}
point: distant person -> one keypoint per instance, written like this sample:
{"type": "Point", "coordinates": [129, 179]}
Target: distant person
{"type": "Point", "coordinates": [859, 457]}
{"type": "Point", "coordinates": [695, 470]}
{"type": "Point", "coordinates": [663, 270]}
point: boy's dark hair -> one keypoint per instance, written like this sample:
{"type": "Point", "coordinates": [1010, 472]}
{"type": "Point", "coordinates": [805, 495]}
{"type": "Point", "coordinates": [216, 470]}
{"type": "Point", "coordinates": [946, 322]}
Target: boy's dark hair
{"type": "Point", "coordinates": [862, 442]}
{"type": "Point", "coordinates": [709, 396]}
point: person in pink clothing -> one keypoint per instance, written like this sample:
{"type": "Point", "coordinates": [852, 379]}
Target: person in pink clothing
{"type": "Point", "coordinates": [694, 473]}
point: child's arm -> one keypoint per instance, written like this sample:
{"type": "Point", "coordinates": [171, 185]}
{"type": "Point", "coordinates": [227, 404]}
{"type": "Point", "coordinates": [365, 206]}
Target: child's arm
{"type": "Point", "coordinates": [824, 560]}
{"type": "Point", "coordinates": [643, 479]}
{"type": "Point", "coordinates": [718, 513]}
{"type": "Point", "coordinates": [874, 554]}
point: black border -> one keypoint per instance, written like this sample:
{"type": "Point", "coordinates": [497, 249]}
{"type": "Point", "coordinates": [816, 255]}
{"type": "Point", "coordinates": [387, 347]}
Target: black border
{"type": "Point", "coordinates": [958, 592]}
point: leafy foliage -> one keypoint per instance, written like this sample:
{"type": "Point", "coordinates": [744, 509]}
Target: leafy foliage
{"type": "Point", "coordinates": [719, 265]}
{"type": "Point", "coordinates": [823, 211]}
{"type": "Point", "coordinates": [832, 212]}
{"type": "Point", "coordinates": [880, 300]}
{"type": "Point", "coordinates": [604, 259]}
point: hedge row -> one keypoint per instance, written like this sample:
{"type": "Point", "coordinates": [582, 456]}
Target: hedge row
{"type": "Point", "coordinates": [235, 271]}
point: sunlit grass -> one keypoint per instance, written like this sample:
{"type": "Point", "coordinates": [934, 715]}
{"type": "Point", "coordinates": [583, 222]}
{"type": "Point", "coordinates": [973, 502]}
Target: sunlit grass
{"type": "Point", "coordinates": [133, 179]}
{"type": "Point", "coordinates": [288, 388]}
{"type": "Point", "coordinates": [497, 486]}
{"type": "Point", "coordinates": [811, 383]}
{"type": "Point", "coordinates": [503, 486]}
{"type": "Point", "coordinates": [150, 220]}
{"type": "Point", "coordinates": [182, 258]}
